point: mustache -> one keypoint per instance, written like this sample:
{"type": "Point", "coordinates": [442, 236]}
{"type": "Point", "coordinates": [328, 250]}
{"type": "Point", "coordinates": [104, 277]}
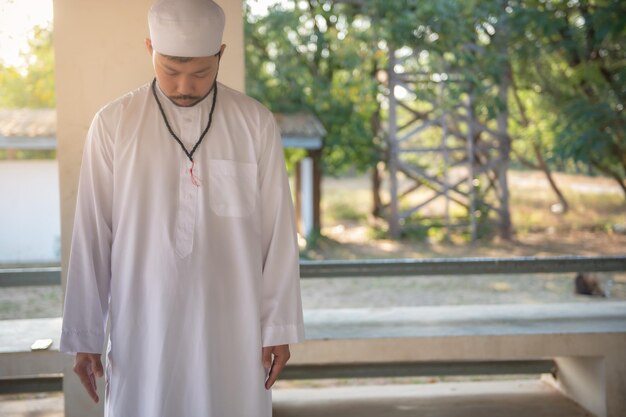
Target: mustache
{"type": "Point", "coordinates": [185, 97]}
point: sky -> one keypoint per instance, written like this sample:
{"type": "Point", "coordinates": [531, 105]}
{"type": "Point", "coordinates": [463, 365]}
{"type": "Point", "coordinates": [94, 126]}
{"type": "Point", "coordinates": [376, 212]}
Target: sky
{"type": "Point", "coordinates": [18, 17]}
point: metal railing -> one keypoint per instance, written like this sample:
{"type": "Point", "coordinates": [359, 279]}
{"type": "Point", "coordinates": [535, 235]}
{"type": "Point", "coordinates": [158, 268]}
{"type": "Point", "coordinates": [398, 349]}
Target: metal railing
{"type": "Point", "coordinates": [51, 275]}
{"type": "Point", "coordinates": [23, 276]}
{"type": "Point", "coordinates": [388, 268]}
{"type": "Point", "coordinates": [461, 266]}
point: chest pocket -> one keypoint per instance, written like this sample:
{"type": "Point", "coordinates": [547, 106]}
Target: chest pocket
{"type": "Point", "coordinates": [232, 188]}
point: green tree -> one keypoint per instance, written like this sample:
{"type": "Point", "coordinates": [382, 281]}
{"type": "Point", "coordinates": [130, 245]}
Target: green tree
{"type": "Point", "coordinates": [32, 83]}
{"type": "Point", "coordinates": [572, 54]}
{"type": "Point", "coordinates": [318, 56]}
{"type": "Point", "coordinates": [324, 56]}
{"type": "Point", "coordinates": [562, 61]}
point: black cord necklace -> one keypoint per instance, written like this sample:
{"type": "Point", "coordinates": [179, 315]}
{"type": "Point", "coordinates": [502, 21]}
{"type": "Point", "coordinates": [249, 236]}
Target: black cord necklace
{"type": "Point", "coordinates": [189, 154]}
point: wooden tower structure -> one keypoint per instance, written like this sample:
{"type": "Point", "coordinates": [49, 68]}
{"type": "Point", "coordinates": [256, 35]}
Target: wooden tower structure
{"type": "Point", "coordinates": [447, 167]}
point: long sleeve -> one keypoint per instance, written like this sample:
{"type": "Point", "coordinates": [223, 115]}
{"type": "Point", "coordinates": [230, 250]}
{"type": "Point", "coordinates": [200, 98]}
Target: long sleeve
{"type": "Point", "coordinates": [89, 271]}
{"type": "Point", "coordinates": [281, 310]}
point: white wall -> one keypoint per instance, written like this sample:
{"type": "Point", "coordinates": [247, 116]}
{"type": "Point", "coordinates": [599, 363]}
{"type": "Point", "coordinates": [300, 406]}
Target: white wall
{"type": "Point", "coordinates": [30, 228]}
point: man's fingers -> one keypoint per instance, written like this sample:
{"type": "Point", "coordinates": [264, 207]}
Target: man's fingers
{"type": "Point", "coordinates": [274, 372]}
{"type": "Point", "coordinates": [87, 366]}
{"type": "Point", "coordinates": [277, 368]}
{"type": "Point", "coordinates": [87, 379]}
{"type": "Point", "coordinates": [280, 360]}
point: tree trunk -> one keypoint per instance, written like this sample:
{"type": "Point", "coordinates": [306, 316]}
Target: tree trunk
{"type": "Point", "coordinates": [620, 181]}
{"type": "Point", "coordinates": [377, 203]}
{"type": "Point", "coordinates": [505, 155]}
{"type": "Point", "coordinates": [611, 174]}
{"type": "Point", "coordinates": [546, 170]}
{"type": "Point", "coordinates": [525, 122]}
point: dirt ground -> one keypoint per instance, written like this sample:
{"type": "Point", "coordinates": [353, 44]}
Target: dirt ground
{"type": "Point", "coordinates": [597, 210]}
{"type": "Point", "coordinates": [345, 243]}
{"type": "Point", "coordinates": [587, 229]}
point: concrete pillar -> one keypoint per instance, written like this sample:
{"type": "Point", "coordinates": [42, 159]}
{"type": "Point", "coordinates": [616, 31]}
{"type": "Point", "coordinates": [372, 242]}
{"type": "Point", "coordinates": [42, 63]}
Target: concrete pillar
{"type": "Point", "coordinates": [596, 383]}
{"type": "Point", "coordinates": [306, 175]}
{"type": "Point", "coordinates": [584, 380]}
{"type": "Point", "coordinates": [100, 55]}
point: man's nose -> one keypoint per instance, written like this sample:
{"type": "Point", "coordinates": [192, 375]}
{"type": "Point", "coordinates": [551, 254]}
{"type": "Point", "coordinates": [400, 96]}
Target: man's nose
{"type": "Point", "coordinates": [185, 86]}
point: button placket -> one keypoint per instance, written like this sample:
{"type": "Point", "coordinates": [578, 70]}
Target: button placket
{"type": "Point", "coordinates": [187, 207]}
{"type": "Point", "coordinates": [190, 123]}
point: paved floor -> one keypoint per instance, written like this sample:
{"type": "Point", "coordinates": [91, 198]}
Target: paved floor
{"type": "Point", "coordinates": [529, 398]}
{"type": "Point", "coordinates": [42, 405]}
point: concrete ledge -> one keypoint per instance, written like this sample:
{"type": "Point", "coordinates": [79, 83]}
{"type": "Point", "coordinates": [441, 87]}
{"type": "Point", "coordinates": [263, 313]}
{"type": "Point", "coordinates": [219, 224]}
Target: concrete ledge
{"type": "Point", "coordinates": [431, 368]}
{"type": "Point", "coordinates": [16, 358]}
{"type": "Point", "coordinates": [586, 340]}
{"type": "Point", "coordinates": [466, 320]}
{"type": "Point", "coordinates": [18, 362]}
{"type": "Point", "coordinates": [19, 335]}
{"type": "Point", "coordinates": [475, 399]}
{"type": "Point", "coordinates": [34, 384]}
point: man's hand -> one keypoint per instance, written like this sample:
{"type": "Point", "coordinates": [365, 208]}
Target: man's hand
{"type": "Point", "coordinates": [88, 366]}
{"type": "Point", "coordinates": [274, 358]}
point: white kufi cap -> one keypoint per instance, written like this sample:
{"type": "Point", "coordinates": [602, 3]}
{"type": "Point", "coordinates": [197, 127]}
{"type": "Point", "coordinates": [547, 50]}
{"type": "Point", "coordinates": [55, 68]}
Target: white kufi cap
{"type": "Point", "coordinates": [186, 28]}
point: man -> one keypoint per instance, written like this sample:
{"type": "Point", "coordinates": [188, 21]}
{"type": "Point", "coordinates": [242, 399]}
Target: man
{"type": "Point", "coordinates": [183, 238]}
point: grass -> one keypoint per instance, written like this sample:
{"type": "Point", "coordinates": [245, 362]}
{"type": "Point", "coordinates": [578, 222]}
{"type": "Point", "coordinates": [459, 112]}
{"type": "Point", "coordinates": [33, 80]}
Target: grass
{"type": "Point", "coordinates": [345, 204]}
{"type": "Point", "coordinates": [596, 205]}
{"type": "Point", "coordinates": [588, 211]}
{"type": "Point", "coordinates": [28, 302]}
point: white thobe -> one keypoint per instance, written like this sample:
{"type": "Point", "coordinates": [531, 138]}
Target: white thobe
{"type": "Point", "coordinates": [193, 279]}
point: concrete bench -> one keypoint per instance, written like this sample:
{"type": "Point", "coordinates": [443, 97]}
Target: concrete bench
{"type": "Point", "coordinates": [16, 358]}
{"type": "Point", "coordinates": [586, 342]}
{"type": "Point", "coordinates": [23, 370]}
{"type": "Point", "coordinates": [583, 344]}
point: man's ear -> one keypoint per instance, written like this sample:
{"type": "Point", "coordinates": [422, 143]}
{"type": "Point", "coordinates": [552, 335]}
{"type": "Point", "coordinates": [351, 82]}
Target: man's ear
{"type": "Point", "coordinates": [222, 48]}
{"type": "Point", "coordinates": [149, 46]}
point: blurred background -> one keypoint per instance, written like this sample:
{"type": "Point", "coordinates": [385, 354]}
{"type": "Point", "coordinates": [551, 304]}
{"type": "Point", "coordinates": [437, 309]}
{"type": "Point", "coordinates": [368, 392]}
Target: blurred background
{"type": "Point", "coordinates": [445, 129]}
{"type": "Point", "coordinates": [431, 129]}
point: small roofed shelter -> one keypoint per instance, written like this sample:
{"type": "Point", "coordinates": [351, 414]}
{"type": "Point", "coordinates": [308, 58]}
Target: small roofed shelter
{"type": "Point", "coordinates": [27, 129]}
{"type": "Point", "coordinates": [302, 130]}
{"type": "Point", "coordinates": [35, 129]}
{"type": "Point", "coordinates": [29, 188]}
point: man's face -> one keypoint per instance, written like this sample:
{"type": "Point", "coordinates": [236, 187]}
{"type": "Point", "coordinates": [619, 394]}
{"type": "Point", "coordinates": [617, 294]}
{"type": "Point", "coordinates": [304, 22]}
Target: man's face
{"type": "Point", "coordinates": [187, 81]}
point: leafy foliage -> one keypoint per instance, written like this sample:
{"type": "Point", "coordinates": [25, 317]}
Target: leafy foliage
{"type": "Point", "coordinates": [33, 84]}
{"type": "Point", "coordinates": [566, 60]}
{"type": "Point", "coordinates": [570, 56]}
{"type": "Point", "coordinates": [319, 57]}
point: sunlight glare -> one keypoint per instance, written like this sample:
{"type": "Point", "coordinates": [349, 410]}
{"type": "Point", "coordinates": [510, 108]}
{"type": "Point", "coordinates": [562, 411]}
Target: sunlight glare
{"type": "Point", "coordinates": [17, 19]}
